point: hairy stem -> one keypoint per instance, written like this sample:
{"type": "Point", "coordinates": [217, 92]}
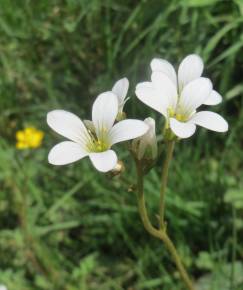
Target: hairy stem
{"type": "Point", "coordinates": [164, 179]}
{"type": "Point", "coordinates": [160, 234]}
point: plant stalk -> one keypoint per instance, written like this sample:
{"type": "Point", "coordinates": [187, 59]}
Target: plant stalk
{"type": "Point", "coordinates": [160, 234]}
{"type": "Point", "coordinates": [164, 179]}
{"type": "Point", "coordinates": [234, 245]}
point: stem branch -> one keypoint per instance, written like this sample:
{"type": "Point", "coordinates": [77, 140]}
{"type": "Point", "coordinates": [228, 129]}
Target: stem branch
{"type": "Point", "coordinates": [160, 234]}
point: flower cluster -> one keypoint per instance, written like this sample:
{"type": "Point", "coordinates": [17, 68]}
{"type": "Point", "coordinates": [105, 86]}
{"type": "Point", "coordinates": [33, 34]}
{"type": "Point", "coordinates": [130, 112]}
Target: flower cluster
{"type": "Point", "coordinates": [29, 138]}
{"type": "Point", "coordinates": [176, 96]}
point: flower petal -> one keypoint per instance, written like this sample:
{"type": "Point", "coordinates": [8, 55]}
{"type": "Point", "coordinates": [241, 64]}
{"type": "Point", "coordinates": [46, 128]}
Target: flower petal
{"type": "Point", "coordinates": [104, 161]}
{"type": "Point", "coordinates": [126, 130]}
{"type": "Point", "coordinates": [210, 120]}
{"type": "Point", "coordinates": [68, 125]}
{"type": "Point", "coordinates": [104, 112]}
{"type": "Point", "coordinates": [66, 152]}
{"type": "Point", "coordinates": [194, 94]}
{"type": "Point", "coordinates": [165, 87]}
{"type": "Point", "coordinates": [190, 69]}
{"type": "Point", "coordinates": [160, 94]}
{"type": "Point", "coordinates": [181, 129]}
{"type": "Point", "coordinates": [120, 89]}
{"type": "Point", "coordinates": [147, 93]}
{"type": "Point", "coordinates": [214, 99]}
{"type": "Point", "coordinates": [162, 65]}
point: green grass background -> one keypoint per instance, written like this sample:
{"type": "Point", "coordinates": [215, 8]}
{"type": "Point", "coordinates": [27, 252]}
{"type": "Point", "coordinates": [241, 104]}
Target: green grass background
{"type": "Point", "coordinates": [71, 228]}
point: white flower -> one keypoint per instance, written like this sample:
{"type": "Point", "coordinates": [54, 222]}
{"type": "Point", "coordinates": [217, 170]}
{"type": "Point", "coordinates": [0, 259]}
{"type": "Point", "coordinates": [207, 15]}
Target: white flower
{"type": "Point", "coordinates": [147, 141]}
{"type": "Point", "coordinates": [95, 144]}
{"type": "Point", "coordinates": [120, 89]}
{"type": "Point", "coordinates": [3, 287]}
{"type": "Point", "coordinates": [178, 98]}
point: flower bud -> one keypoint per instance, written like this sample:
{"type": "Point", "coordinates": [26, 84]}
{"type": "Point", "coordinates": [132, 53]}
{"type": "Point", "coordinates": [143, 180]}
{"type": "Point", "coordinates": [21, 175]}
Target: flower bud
{"type": "Point", "coordinates": [121, 116]}
{"type": "Point", "coordinates": [146, 145]}
{"type": "Point", "coordinates": [118, 169]}
{"type": "Point", "coordinates": [120, 89]}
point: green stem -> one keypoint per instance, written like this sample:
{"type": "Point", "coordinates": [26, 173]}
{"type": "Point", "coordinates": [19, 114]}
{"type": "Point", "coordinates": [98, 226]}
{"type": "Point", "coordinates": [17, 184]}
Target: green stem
{"type": "Point", "coordinates": [160, 234]}
{"type": "Point", "coordinates": [234, 243]}
{"type": "Point", "coordinates": [164, 179]}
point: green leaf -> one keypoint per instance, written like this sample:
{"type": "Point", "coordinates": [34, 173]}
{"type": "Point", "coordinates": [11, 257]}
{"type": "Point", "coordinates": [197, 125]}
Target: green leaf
{"type": "Point", "coordinates": [220, 278]}
{"type": "Point", "coordinates": [205, 261]}
{"type": "Point", "coordinates": [199, 3]}
{"type": "Point", "coordinates": [236, 91]}
{"type": "Point", "coordinates": [234, 197]}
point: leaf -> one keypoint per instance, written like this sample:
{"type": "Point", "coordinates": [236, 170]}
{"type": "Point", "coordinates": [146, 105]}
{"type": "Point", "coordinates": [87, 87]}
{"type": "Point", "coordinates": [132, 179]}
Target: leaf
{"type": "Point", "coordinates": [234, 92]}
{"type": "Point", "coordinates": [231, 51]}
{"type": "Point", "coordinates": [240, 5]}
{"type": "Point", "coordinates": [212, 43]}
{"type": "Point", "coordinates": [199, 3]}
{"type": "Point", "coordinates": [205, 261]}
{"type": "Point", "coordinates": [234, 197]}
{"type": "Point", "coordinates": [221, 278]}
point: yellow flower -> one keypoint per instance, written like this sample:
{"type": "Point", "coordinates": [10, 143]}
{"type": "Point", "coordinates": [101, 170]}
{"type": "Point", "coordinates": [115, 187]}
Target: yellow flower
{"type": "Point", "coordinates": [29, 138]}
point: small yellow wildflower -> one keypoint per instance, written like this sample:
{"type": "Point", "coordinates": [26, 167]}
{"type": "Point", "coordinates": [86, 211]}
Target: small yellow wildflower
{"type": "Point", "coordinates": [29, 138]}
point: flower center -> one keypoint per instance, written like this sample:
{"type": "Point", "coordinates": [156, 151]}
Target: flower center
{"type": "Point", "coordinates": [100, 146]}
{"type": "Point", "coordinates": [177, 115]}
{"type": "Point", "coordinates": [97, 145]}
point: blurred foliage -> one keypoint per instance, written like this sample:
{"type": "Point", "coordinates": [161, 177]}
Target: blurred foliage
{"type": "Point", "coordinates": [74, 229]}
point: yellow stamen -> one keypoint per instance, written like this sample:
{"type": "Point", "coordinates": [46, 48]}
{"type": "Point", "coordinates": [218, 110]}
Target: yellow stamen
{"type": "Point", "coordinates": [171, 112]}
{"type": "Point", "coordinates": [178, 116]}
{"type": "Point", "coordinates": [181, 117]}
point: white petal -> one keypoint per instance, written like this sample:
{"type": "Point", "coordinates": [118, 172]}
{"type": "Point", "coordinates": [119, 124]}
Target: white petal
{"type": "Point", "coordinates": [120, 89]}
{"type": "Point", "coordinates": [210, 120]}
{"type": "Point", "coordinates": [104, 112]}
{"type": "Point", "coordinates": [181, 129]}
{"type": "Point", "coordinates": [194, 94]}
{"type": "Point", "coordinates": [165, 87]}
{"type": "Point", "coordinates": [190, 69]}
{"type": "Point", "coordinates": [66, 152]}
{"type": "Point", "coordinates": [214, 98]}
{"type": "Point", "coordinates": [151, 124]}
{"type": "Point", "coordinates": [160, 94]}
{"type": "Point", "coordinates": [150, 135]}
{"type": "Point", "coordinates": [162, 65]}
{"type": "Point", "coordinates": [151, 97]}
{"type": "Point", "coordinates": [68, 125]}
{"type": "Point", "coordinates": [126, 130]}
{"type": "Point", "coordinates": [104, 161]}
